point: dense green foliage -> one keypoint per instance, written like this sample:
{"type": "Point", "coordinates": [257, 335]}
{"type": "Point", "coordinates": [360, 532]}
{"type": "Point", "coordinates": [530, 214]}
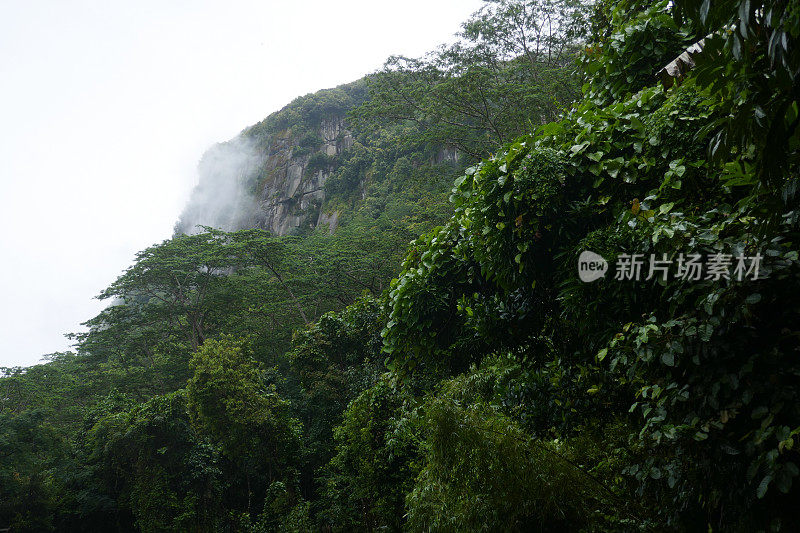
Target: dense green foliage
{"type": "Point", "coordinates": [469, 381]}
{"type": "Point", "coordinates": [507, 73]}
{"type": "Point", "coordinates": [305, 112]}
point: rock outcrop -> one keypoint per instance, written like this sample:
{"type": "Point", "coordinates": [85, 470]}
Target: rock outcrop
{"type": "Point", "coordinates": [273, 175]}
{"type": "Point", "coordinates": [276, 183]}
{"type": "Point", "coordinates": [292, 192]}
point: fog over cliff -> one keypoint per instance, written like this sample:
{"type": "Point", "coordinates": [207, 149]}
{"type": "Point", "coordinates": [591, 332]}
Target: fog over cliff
{"type": "Point", "coordinates": [107, 106]}
{"type": "Point", "coordinates": [222, 198]}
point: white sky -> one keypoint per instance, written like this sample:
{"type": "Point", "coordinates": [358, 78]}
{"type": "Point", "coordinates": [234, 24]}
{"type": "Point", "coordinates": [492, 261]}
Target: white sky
{"type": "Point", "coordinates": [106, 107]}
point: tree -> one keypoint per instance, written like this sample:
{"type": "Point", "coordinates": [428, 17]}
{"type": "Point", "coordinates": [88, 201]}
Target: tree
{"type": "Point", "coordinates": [482, 472]}
{"type": "Point", "coordinates": [154, 470]}
{"type": "Point", "coordinates": [332, 362]}
{"type": "Point", "coordinates": [230, 402]}
{"type": "Point", "coordinates": [170, 284]}
{"type": "Point", "coordinates": [375, 463]}
{"type": "Point", "coordinates": [509, 71]}
{"type": "Point", "coordinates": [29, 449]}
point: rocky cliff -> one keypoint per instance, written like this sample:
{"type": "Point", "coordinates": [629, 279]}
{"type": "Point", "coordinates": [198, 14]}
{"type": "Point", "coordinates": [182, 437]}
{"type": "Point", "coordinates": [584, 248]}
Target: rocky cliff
{"type": "Point", "coordinates": [273, 175]}
{"type": "Point", "coordinates": [277, 184]}
{"type": "Point", "coordinates": [292, 183]}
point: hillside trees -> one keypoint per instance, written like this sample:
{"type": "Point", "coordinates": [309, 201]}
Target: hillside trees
{"type": "Point", "coordinates": [189, 288]}
{"type": "Point", "coordinates": [482, 471]}
{"type": "Point", "coordinates": [204, 458]}
{"type": "Point", "coordinates": [488, 388]}
{"type": "Point", "coordinates": [375, 462]}
{"type": "Point", "coordinates": [330, 363]}
{"type": "Point", "coordinates": [706, 369]}
{"type": "Point", "coordinates": [509, 71]}
{"type": "Point", "coordinates": [306, 112]}
{"type": "Point", "coordinates": [30, 449]}
{"type": "Point", "coordinates": [152, 470]}
{"type": "Point", "coordinates": [230, 402]}
{"type": "Point", "coordinates": [169, 285]}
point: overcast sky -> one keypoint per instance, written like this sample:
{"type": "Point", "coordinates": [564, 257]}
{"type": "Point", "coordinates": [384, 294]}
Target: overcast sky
{"type": "Point", "coordinates": [107, 106]}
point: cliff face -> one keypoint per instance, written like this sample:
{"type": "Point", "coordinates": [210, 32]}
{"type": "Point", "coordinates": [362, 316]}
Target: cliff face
{"type": "Point", "coordinates": [273, 175]}
{"type": "Point", "coordinates": [292, 186]}
{"type": "Point", "coordinates": [222, 197]}
{"type": "Point", "coordinates": [276, 183]}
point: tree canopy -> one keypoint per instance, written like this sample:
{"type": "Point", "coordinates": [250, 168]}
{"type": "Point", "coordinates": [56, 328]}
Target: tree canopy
{"type": "Point", "coordinates": [470, 379]}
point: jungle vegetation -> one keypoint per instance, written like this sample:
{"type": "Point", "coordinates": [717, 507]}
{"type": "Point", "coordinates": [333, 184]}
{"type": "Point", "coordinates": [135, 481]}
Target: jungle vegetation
{"type": "Point", "coordinates": [468, 381]}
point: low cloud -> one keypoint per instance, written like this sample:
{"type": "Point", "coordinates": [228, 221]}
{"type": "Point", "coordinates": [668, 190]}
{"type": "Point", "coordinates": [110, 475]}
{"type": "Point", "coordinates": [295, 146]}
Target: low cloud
{"type": "Point", "coordinates": [223, 197]}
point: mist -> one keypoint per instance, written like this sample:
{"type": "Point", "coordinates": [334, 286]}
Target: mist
{"type": "Point", "coordinates": [223, 198]}
{"type": "Point", "coordinates": [107, 108]}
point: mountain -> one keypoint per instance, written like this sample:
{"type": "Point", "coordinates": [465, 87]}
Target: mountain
{"type": "Point", "coordinates": [273, 175]}
{"type": "Point", "coordinates": [375, 331]}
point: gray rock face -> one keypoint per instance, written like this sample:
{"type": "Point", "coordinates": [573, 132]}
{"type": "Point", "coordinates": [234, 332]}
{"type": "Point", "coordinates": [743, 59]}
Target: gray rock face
{"type": "Point", "coordinates": [270, 186]}
{"type": "Point", "coordinates": [447, 155]}
{"type": "Point", "coordinates": [292, 194]}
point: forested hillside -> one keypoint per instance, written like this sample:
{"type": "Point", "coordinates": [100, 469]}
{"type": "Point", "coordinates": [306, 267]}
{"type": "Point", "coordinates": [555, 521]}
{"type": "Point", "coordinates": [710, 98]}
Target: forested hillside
{"type": "Point", "coordinates": [392, 322]}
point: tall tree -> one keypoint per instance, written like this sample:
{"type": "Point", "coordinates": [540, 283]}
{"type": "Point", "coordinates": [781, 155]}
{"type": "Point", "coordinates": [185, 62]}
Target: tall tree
{"type": "Point", "coordinates": [509, 71]}
{"type": "Point", "coordinates": [230, 401]}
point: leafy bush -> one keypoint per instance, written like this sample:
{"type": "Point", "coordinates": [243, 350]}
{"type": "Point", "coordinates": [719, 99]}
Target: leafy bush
{"type": "Point", "coordinates": [482, 472]}
{"type": "Point", "coordinates": [375, 463]}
